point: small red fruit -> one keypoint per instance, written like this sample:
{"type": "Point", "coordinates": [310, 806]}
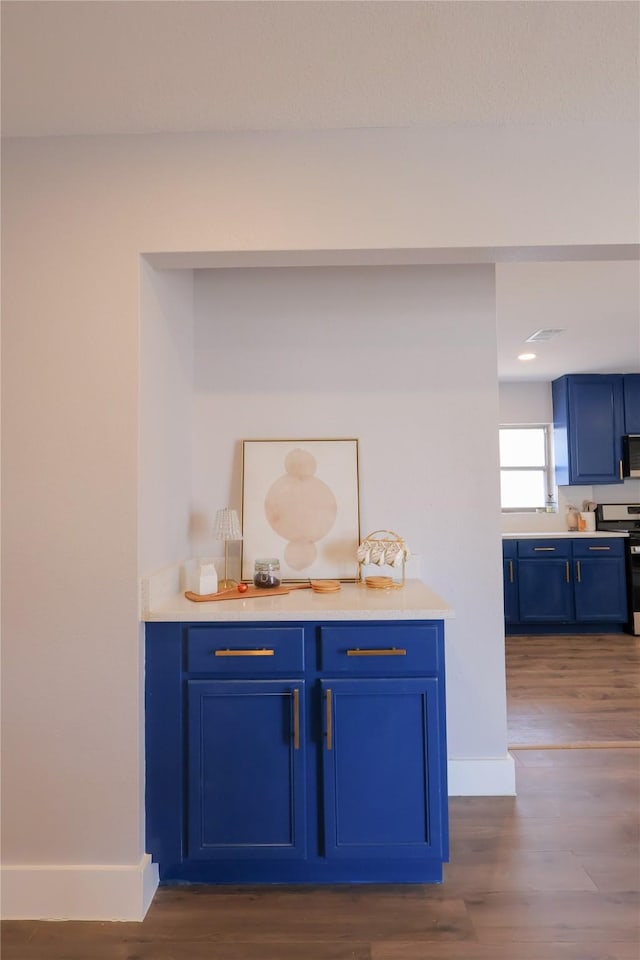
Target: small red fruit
{"type": "Point", "coordinates": [242, 588]}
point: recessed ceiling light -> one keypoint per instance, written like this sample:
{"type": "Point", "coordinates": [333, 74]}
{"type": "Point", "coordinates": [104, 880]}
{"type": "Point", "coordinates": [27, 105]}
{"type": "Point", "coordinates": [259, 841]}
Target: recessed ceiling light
{"type": "Point", "coordinates": [526, 356]}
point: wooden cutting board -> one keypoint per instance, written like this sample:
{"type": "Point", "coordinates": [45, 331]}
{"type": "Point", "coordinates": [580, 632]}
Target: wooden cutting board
{"type": "Point", "coordinates": [249, 592]}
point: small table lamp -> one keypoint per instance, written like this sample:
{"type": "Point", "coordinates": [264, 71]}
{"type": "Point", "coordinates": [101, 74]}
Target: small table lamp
{"type": "Point", "coordinates": [226, 527]}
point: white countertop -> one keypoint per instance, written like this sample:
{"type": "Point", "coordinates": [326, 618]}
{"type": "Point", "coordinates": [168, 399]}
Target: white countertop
{"type": "Point", "coordinates": [354, 601]}
{"type": "Point", "coordinates": [574, 534]}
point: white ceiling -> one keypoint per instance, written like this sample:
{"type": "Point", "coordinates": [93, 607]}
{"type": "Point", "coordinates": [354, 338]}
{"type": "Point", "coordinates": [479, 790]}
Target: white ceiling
{"type": "Point", "coordinates": [86, 67]}
{"type": "Point", "coordinates": [196, 65]}
{"type": "Point", "coordinates": [596, 304]}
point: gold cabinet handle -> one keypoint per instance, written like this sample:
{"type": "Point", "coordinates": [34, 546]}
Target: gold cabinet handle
{"type": "Point", "coordinates": [329, 722]}
{"type": "Point", "coordinates": [296, 719]}
{"type": "Point", "coordinates": [244, 653]}
{"type": "Point", "coordinates": [510, 571]}
{"type": "Point", "coordinates": [543, 549]}
{"type": "Point", "coordinates": [382, 652]}
{"type": "Point", "coordinates": [621, 470]}
{"type": "Point", "coordinates": [567, 573]}
{"type": "Point", "coordinates": [578, 572]}
{"type": "Point", "coordinates": [599, 548]}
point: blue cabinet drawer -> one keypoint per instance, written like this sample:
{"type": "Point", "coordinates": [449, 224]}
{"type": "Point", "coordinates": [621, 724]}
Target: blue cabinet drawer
{"type": "Point", "coordinates": [598, 547]}
{"type": "Point", "coordinates": [245, 650]}
{"type": "Point", "coordinates": [382, 650]}
{"type": "Point", "coordinates": [544, 549]}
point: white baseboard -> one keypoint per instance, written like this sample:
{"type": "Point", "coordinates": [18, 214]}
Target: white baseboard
{"type": "Point", "coordinates": [78, 891]}
{"type": "Point", "coordinates": [484, 777]}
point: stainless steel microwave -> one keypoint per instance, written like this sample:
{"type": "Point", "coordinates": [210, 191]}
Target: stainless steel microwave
{"type": "Point", "coordinates": [631, 455]}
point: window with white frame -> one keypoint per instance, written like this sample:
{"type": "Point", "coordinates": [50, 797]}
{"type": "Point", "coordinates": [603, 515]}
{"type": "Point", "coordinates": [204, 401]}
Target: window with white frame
{"type": "Point", "coordinates": [526, 477]}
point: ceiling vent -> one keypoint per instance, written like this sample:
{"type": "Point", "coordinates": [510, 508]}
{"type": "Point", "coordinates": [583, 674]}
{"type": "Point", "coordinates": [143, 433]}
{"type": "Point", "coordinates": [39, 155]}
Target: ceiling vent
{"type": "Point", "coordinates": [549, 334]}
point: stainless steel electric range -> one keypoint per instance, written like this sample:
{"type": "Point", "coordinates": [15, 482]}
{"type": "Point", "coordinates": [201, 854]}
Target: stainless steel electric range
{"type": "Point", "coordinates": [625, 518]}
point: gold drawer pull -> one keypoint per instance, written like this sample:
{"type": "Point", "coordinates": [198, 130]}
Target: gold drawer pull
{"type": "Point", "coordinates": [296, 719]}
{"type": "Point", "coordinates": [391, 652]}
{"type": "Point", "coordinates": [543, 549]}
{"type": "Point", "coordinates": [244, 653]}
{"type": "Point", "coordinates": [599, 548]}
{"type": "Point", "coordinates": [329, 722]}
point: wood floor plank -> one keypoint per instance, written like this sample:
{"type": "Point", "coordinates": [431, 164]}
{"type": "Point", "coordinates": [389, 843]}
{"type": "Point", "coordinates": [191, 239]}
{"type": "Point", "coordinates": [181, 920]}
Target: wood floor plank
{"type": "Point", "coordinates": [583, 836]}
{"type": "Point", "coordinates": [17, 931]}
{"type": "Point", "coordinates": [355, 914]}
{"type": "Point", "coordinates": [621, 758]}
{"type": "Point", "coordinates": [554, 917]}
{"type": "Point", "coordinates": [574, 689]}
{"type": "Point", "coordinates": [616, 872]}
{"type": "Point", "coordinates": [609, 950]}
{"type": "Point", "coordinates": [531, 870]}
{"type": "Point", "coordinates": [194, 950]}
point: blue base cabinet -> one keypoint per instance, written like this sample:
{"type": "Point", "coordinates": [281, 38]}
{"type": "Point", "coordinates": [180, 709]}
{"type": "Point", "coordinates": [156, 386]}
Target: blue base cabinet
{"type": "Point", "coordinates": [577, 583]}
{"type": "Point", "coordinates": [600, 588]}
{"type": "Point", "coordinates": [545, 590]}
{"type": "Point", "coordinates": [296, 752]}
{"type": "Point", "coordinates": [378, 797]}
{"type": "Point", "coordinates": [510, 583]}
{"type": "Point", "coordinates": [246, 729]}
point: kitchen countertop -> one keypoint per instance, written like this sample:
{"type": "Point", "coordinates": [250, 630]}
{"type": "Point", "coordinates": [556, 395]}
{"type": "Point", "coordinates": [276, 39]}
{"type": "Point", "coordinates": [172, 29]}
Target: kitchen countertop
{"type": "Point", "coordinates": [354, 601]}
{"type": "Point", "coordinates": [574, 534]}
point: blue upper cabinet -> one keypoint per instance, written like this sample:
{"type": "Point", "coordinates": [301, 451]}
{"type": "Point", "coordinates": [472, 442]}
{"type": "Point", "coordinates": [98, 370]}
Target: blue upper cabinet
{"type": "Point", "coordinates": [631, 386]}
{"type": "Point", "coordinates": [588, 419]}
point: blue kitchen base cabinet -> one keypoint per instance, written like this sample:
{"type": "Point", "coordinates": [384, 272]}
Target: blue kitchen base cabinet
{"type": "Point", "coordinates": [510, 582]}
{"type": "Point", "coordinates": [574, 585]}
{"type": "Point", "coordinates": [376, 768]}
{"type": "Point", "coordinates": [296, 752]}
{"type": "Point", "coordinates": [257, 809]}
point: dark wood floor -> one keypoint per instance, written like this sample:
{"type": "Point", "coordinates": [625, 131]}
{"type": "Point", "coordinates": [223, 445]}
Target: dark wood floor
{"type": "Point", "coordinates": [552, 874]}
{"type": "Point", "coordinates": [573, 691]}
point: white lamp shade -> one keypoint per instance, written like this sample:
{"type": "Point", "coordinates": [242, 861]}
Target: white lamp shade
{"type": "Point", "coordinates": [226, 525]}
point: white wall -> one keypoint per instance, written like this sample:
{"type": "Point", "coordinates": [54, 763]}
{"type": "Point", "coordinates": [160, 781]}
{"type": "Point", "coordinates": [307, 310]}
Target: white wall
{"type": "Point", "coordinates": [526, 402]}
{"type": "Point", "coordinates": [398, 357]}
{"type": "Point", "coordinates": [77, 213]}
{"type": "Point", "coordinates": [166, 416]}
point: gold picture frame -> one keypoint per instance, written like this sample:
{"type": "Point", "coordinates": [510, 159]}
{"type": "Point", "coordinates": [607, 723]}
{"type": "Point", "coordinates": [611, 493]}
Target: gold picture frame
{"type": "Point", "coordinates": [301, 505]}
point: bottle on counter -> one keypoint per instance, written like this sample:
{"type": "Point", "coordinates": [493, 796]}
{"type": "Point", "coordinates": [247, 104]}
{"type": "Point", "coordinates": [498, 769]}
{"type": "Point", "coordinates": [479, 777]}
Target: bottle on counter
{"type": "Point", "coordinates": [573, 518]}
{"type": "Point", "coordinates": [266, 573]}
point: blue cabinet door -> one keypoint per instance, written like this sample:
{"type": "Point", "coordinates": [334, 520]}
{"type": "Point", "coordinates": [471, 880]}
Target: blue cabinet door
{"type": "Point", "coordinates": [510, 580]}
{"type": "Point", "coordinates": [600, 589]}
{"type": "Point", "coordinates": [382, 745]}
{"type": "Point", "coordinates": [631, 386]}
{"type": "Point", "coordinates": [588, 415]}
{"type": "Point", "coordinates": [545, 590]}
{"type": "Point", "coordinates": [246, 769]}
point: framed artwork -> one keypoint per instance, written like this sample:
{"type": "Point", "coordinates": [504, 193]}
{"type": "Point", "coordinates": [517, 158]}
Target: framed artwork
{"type": "Point", "coordinates": [300, 503]}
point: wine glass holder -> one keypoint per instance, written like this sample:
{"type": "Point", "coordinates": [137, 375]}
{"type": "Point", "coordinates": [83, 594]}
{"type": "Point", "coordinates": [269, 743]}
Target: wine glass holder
{"type": "Point", "coordinates": [383, 548]}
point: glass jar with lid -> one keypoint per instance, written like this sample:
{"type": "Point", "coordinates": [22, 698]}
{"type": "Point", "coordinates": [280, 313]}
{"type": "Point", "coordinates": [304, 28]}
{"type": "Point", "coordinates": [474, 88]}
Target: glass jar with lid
{"type": "Point", "coordinates": [266, 573]}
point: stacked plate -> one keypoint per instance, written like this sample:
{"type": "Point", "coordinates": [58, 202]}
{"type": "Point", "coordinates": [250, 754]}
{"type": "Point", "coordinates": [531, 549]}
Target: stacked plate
{"type": "Point", "coordinates": [379, 583]}
{"type": "Point", "coordinates": [325, 586]}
